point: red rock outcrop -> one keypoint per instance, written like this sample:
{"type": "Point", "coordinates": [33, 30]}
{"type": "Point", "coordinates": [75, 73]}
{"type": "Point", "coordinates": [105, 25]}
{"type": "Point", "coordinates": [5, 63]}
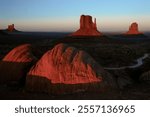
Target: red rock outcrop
{"type": "Point", "coordinates": [66, 69]}
{"type": "Point", "coordinates": [19, 54]}
{"type": "Point", "coordinates": [133, 29]}
{"type": "Point", "coordinates": [16, 63]}
{"type": "Point", "coordinates": [87, 27]}
{"type": "Point", "coordinates": [11, 28]}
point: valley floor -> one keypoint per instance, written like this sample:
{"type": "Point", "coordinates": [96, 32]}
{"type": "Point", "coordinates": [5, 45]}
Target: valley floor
{"type": "Point", "coordinates": [108, 52]}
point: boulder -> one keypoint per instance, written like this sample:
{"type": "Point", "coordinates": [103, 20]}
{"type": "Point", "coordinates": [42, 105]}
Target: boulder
{"type": "Point", "coordinates": [87, 27]}
{"type": "Point", "coordinates": [16, 64]}
{"type": "Point", "coordinates": [133, 29]}
{"type": "Point", "coordinates": [65, 69]}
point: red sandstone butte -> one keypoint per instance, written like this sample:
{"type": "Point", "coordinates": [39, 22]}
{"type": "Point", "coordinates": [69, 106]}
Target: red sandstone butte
{"type": "Point", "coordinates": [66, 69]}
{"type": "Point", "coordinates": [87, 27]}
{"type": "Point", "coordinates": [16, 63]}
{"type": "Point", "coordinates": [133, 29]}
{"type": "Point", "coordinates": [11, 28]}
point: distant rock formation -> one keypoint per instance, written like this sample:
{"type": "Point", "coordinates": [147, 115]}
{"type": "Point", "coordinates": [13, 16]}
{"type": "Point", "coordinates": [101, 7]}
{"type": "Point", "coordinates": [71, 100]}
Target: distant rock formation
{"type": "Point", "coordinates": [66, 69]}
{"type": "Point", "coordinates": [87, 27]}
{"type": "Point", "coordinates": [11, 28]}
{"type": "Point", "coordinates": [133, 29]}
{"type": "Point", "coordinates": [16, 64]}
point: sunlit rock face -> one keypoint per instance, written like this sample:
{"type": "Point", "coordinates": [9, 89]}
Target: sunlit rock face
{"type": "Point", "coordinates": [16, 63]}
{"type": "Point", "coordinates": [87, 27]}
{"type": "Point", "coordinates": [133, 29]}
{"type": "Point", "coordinates": [65, 69]}
{"type": "Point", "coordinates": [19, 54]}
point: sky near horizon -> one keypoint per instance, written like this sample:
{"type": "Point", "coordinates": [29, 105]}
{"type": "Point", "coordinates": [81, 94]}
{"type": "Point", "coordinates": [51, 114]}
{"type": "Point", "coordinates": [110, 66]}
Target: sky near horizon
{"type": "Point", "coordinates": [64, 15]}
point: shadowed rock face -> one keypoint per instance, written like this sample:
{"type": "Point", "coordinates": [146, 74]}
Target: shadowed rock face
{"type": "Point", "coordinates": [145, 77]}
{"type": "Point", "coordinates": [133, 29]}
{"type": "Point", "coordinates": [87, 27]}
{"type": "Point", "coordinates": [16, 63]}
{"type": "Point", "coordinates": [64, 65]}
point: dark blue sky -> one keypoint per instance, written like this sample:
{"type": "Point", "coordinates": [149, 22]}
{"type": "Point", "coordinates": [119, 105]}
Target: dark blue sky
{"type": "Point", "coordinates": [63, 15]}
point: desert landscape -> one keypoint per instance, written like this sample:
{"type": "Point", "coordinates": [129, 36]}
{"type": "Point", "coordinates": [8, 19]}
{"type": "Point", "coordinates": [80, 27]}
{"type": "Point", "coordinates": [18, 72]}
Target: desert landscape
{"type": "Point", "coordinates": [85, 64]}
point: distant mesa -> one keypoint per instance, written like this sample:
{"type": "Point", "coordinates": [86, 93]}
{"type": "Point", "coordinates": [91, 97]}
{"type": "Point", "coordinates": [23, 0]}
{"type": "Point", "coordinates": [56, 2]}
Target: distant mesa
{"type": "Point", "coordinates": [16, 63]}
{"type": "Point", "coordinates": [87, 27]}
{"type": "Point", "coordinates": [11, 28]}
{"type": "Point", "coordinates": [133, 29]}
{"type": "Point", "coordinates": [65, 69]}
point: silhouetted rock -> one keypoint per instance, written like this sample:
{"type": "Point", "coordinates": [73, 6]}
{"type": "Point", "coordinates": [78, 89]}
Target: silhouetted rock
{"type": "Point", "coordinates": [66, 69]}
{"type": "Point", "coordinates": [145, 76]}
{"type": "Point", "coordinates": [122, 78]}
{"type": "Point", "coordinates": [133, 29]}
{"type": "Point", "coordinates": [16, 64]}
{"type": "Point", "coordinates": [87, 27]}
